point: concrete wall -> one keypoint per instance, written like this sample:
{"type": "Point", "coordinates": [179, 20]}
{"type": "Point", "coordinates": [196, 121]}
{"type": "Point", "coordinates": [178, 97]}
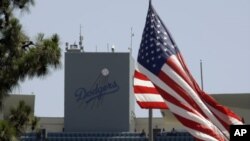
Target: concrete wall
{"type": "Point", "coordinates": [98, 92]}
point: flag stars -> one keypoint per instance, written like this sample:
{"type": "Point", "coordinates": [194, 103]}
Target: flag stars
{"type": "Point", "coordinates": [155, 44]}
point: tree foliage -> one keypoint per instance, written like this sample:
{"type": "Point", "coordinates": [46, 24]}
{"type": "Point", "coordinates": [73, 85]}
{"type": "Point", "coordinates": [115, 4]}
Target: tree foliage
{"type": "Point", "coordinates": [20, 119]}
{"type": "Point", "coordinates": [7, 132]}
{"type": "Point", "coordinates": [20, 57]}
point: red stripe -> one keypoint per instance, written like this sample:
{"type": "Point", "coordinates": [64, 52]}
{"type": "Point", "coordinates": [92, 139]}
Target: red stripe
{"type": "Point", "coordinates": [173, 100]}
{"type": "Point", "coordinates": [206, 98]}
{"type": "Point", "coordinates": [176, 102]}
{"type": "Point", "coordinates": [140, 75]}
{"type": "Point", "coordinates": [146, 90]}
{"type": "Point", "coordinates": [172, 64]}
{"type": "Point", "coordinates": [152, 105]}
{"type": "Point", "coordinates": [226, 126]}
{"type": "Point", "coordinates": [178, 89]}
{"type": "Point", "coordinates": [211, 101]}
{"type": "Point", "coordinates": [201, 128]}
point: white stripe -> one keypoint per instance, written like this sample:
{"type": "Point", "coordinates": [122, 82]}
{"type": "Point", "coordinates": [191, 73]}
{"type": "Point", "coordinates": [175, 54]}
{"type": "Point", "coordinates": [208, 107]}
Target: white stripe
{"type": "Point", "coordinates": [217, 112]}
{"type": "Point", "coordinates": [145, 83]}
{"type": "Point", "coordinates": [149, 97]}
{"type": "Point", "coordinates": [200, 135]}
{"type": "Point", "coordinates": [177, 62]}
{"type": "Point", "coordinates": [193, 117]}
{"type": "Point", "coordinates": [174, 76]}
{"type": "Point", "coordinates": [224, 117]}
{"type": "Point", "coordinates": [161, 84]}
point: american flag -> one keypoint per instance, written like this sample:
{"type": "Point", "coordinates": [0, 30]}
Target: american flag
{"type": "Point", "coordinates": [161, 61]}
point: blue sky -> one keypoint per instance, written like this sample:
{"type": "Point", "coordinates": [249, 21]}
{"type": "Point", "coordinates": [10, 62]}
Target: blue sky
{"type": "Point", "coordinates": [218, 32]}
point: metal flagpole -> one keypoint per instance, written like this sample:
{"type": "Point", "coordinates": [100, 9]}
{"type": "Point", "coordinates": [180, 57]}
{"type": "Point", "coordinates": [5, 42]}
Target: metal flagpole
{"type": "Point", "coordinates": [150, 124]}
{"type": "Point", "coordinates": [201, 74]}
{"type": "Point", "coordinates": [131, 40]}
{"type": "Point", "coordinates": [150, 118]}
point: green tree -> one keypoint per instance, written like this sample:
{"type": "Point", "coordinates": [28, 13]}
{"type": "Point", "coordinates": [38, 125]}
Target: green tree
{"type": "Point", "coordinates": [20, 57]}
{"type": "Point", "coordinates": [21, 118]}
{"type": "Point", "coordinates": [7, 131]}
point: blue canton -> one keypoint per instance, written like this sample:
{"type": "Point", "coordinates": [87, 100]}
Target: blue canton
{"type": "Point", "coordinates": [156, 44]}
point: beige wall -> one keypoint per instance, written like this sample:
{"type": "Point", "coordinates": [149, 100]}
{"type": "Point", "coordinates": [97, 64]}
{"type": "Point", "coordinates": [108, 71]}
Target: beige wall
{"type": "Point", "coordinates": [238, 103]}
{"type": "Point", "coordinates": [52, 124]}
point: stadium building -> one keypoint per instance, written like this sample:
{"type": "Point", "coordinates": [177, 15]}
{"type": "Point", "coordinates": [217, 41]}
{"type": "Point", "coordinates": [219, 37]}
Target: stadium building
{"type": "Point", "coordinates": [99, 103]}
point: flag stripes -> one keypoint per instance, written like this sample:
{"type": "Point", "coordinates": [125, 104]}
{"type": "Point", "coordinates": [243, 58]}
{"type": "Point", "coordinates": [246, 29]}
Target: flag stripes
{"type": "Point", "coordinates": [183, 110]}
{"type": "Point", "coordinates": [146, 94]}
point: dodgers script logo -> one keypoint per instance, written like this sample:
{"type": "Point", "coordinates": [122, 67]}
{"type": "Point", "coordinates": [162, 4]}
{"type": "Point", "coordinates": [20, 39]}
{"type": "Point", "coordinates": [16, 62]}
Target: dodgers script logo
{"type": "Point", "coordinates": [100, 88]}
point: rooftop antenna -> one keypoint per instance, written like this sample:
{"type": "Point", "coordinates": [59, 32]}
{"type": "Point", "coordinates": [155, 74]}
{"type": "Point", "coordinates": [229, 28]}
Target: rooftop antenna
{"type": "Point", "coordinates": [113, 48]}
{"type": "Point", "coordinates": [81, 39]}
{"type": "Point", "coordinates": [108, 47]}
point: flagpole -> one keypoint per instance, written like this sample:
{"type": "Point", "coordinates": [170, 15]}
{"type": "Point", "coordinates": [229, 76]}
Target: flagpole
{"type": "Point", "coordinates": [150, 124]}
{"type": "Point", "coordinates": [201, 70]}
{"type": "Point", "coordinates": [131, 39]}
{"type": "Point", "coordinates": [150, 115]}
